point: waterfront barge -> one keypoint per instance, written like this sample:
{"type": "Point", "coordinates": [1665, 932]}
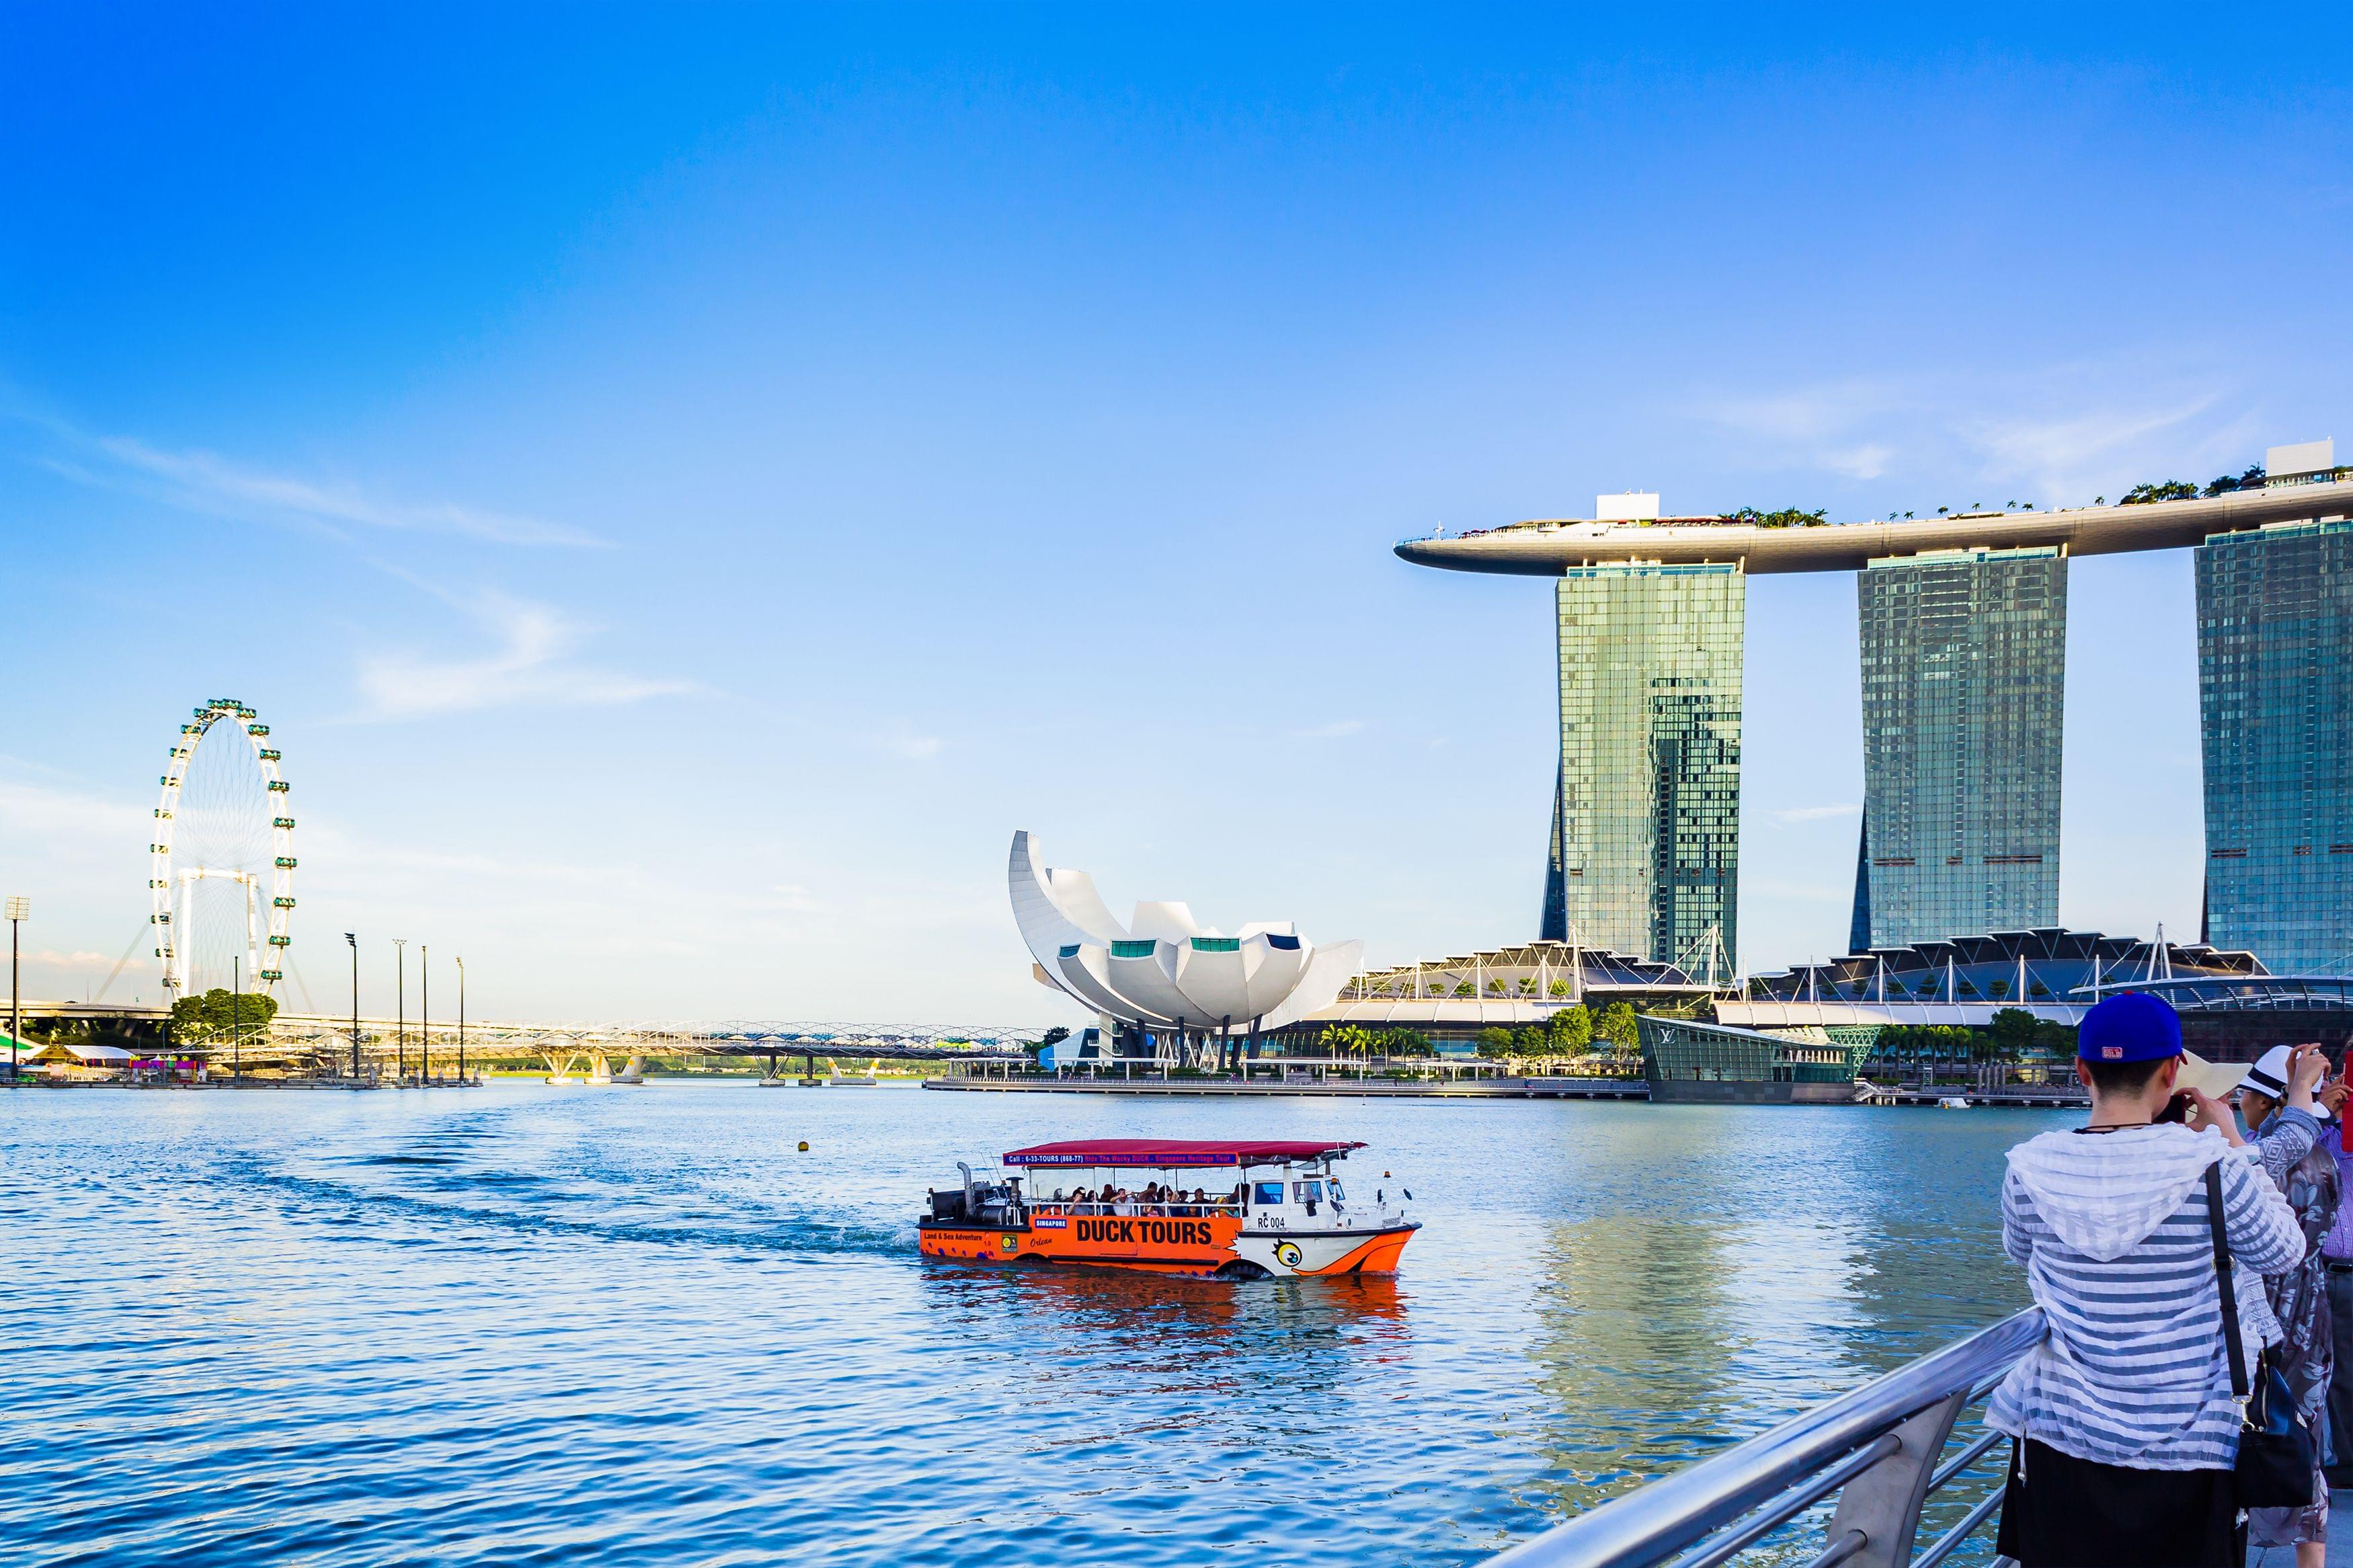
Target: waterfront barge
{"type": "Point", "coordinates": [1275, 1207]}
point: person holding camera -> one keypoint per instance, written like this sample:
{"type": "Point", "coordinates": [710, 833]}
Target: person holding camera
{"type": "Point", "coordinates": [2124, 1428]}
{"type": "Point", "coordinates": [2336, 1261]}
{"type": "Point", "coordinates": [2282, 1110]}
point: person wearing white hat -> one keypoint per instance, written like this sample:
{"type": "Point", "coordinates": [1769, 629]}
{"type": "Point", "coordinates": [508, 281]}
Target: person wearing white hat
{"type": "Point", "coordinates": [2283, 1114]}
{"type": "Point", "coordinates": [2336, 1258]}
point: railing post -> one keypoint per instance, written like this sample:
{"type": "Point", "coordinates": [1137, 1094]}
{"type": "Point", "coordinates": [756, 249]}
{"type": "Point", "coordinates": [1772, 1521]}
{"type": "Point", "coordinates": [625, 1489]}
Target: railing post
{"type": "Point", "coordinates": [1884, 1502]}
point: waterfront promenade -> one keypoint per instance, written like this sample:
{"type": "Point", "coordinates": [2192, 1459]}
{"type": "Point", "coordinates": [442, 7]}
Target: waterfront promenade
{"type": "Point", "coordinates": [1495, 1082]}
{"type": "Point", "coordinates": [1302, 1085]}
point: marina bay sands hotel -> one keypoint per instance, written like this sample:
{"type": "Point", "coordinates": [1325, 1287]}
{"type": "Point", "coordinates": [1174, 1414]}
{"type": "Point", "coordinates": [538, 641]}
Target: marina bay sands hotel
{"type": "Point", "coordinates": [1964, 624]}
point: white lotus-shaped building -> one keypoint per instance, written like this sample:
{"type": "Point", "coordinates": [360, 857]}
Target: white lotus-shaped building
{"type": "Point", "coordinates": [1162, 969]}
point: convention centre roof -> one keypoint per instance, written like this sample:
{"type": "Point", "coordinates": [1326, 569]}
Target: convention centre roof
{"type": "Point", "coordinates": [2058, 963]}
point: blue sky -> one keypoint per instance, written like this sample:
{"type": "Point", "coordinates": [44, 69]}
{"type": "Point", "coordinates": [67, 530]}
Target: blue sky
{"type": "Point", "coordinates": [685, 483]}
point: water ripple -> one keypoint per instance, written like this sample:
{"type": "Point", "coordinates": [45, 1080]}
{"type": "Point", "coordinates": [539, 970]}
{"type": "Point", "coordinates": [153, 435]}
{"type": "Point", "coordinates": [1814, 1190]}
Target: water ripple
{"type": "Point", "coordinates": [521, 1326]}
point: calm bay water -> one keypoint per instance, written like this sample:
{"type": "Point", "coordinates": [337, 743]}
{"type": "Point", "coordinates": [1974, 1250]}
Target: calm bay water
{"type": "Point", "coordinates": [534, 1324]}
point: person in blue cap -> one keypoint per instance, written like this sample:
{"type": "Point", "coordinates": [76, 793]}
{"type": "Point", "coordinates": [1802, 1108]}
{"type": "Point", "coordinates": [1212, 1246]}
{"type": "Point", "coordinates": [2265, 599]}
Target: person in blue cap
{"type": "Point", "coordinates": [2122, 1421]}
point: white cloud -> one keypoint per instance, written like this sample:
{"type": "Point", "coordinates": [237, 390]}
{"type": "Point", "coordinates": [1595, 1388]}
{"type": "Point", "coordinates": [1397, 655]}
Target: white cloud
{"type": "Point", "coordinates": [1788, 815]}
{"type": "Point", "coordinates": [52, 813]}
{"type": "Point", "coordinates": [530, 665]}
{"type": "Point", "coordinates": [2092, 450]}
{"type": "Point", "coordinates": [907, 746]}
{"type": "Point", "coordinates": [85, 962]}
{"type": "Point", "coordinates": [1806, 413]}
{"type": "Point", "coordinates": [2056, 434]}
{"type": "Point", "coordinates": [791, 897]}
{"type": "Point", "coordinates": [1867, 461]}
{"type": "Point", "coordinates": [206, 482]}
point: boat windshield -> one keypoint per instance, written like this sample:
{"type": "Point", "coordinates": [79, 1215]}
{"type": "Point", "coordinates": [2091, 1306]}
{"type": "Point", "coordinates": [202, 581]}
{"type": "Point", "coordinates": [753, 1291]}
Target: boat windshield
{"type": "Point", "coordinates": [1268, 1195]}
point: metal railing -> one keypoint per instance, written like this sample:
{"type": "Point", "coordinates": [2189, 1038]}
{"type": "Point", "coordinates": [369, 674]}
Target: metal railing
{"type": "Point", "coordinates": [1881, 1449]}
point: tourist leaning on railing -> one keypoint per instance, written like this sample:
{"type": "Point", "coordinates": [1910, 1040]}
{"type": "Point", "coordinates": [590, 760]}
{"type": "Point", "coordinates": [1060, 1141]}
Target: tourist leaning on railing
{"type": "Point", "coordinates": [2122, 1422]}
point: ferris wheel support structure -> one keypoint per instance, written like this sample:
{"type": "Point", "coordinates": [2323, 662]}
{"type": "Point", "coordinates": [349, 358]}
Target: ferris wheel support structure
{"type": "Point", "coordinates": [172, 890]}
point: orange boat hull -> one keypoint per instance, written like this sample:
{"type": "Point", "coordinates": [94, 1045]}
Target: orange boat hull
{"type": "Point", "coordinates": [1199, 1246]}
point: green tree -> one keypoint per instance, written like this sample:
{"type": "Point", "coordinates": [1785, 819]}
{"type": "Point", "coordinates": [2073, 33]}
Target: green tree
{"type": "Point", "coordinates": [2164, 489]}
{"type": "Point", "coordinates": [1787, 517]}
{"type": "Point", "coordinates": [1494, 1044]}
{"type": "Point", "coordinates": [1570, 1030]}
{"type": "Point", "coordinates": [1560, 988]}
{"type": "Point", "coordinates": [1404, 1043]}
{"type": "Point", "coordinates": [1616, 1027]}
{"type": "Point", "coordinates": [221, 1014]}
{"type": "Point", "coordinates": [2011, 1034]}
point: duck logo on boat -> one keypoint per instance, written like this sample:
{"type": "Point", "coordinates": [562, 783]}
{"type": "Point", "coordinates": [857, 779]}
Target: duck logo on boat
{"type": "Point", "coordinates": [1287, 1254]}
{"type": "Point", "coordinates": [1009, 1243]}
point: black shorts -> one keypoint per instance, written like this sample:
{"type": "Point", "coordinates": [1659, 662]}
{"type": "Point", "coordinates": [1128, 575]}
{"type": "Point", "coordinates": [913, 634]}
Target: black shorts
{"type": "Point", "coordinates": [2066, 1512]}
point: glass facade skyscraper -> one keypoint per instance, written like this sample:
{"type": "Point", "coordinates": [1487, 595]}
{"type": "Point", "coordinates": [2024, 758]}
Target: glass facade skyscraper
{"type": "Point", "coordinates": [1964, 678]}
{"type": "Point", "coordinates": [1646, 812]}
{"type": "Point", "coordinates": [2275, 698]}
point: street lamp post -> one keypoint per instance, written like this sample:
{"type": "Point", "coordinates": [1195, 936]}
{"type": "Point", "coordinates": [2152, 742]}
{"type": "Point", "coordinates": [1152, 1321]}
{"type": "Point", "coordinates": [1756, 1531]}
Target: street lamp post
{"type": "Point", "coordinates": [236, 1018]}
{"type": "Point", "coordinates": [400, 1009]}
{"type": "Point", "coordinates": [353, 940]}
{"type": "Point", "coordinates": [461, 1022]}
{"type": "Point", "coordinates": [425, 1019]}
{"type": "Point", "coordinates": [19, 910]}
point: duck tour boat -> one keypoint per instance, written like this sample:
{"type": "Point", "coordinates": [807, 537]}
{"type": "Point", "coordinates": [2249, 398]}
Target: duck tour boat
{"type": "Point", "coordinates": [1151, 1204]}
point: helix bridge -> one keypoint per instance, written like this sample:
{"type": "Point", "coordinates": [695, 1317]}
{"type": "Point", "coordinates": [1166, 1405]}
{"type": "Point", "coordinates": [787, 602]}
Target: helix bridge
{"type": "Point", "coordinates": [568, 1047]}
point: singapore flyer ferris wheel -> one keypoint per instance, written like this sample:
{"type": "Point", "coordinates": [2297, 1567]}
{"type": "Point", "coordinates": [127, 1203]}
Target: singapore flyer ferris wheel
{"type": "Point", "coordinates": [222, 877]}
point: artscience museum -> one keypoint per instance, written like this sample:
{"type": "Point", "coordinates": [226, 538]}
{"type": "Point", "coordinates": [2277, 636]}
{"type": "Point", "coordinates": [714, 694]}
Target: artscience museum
{"type": "Point", "coordinates": [1162, 985]}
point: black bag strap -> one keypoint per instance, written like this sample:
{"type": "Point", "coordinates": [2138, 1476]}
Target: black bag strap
{"type": "Point", "coordinates": [2230, 1342]}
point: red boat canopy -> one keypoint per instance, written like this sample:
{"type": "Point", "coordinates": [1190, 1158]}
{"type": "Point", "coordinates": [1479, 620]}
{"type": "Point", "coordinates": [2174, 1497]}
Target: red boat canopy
{"type": "Point", "coordinates": [1173, 1154]}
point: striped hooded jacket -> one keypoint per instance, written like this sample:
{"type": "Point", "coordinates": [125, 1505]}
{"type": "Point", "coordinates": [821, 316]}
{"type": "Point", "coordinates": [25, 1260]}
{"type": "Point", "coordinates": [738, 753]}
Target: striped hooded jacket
{"type": "Point", "coordinates": [2111, 1228]}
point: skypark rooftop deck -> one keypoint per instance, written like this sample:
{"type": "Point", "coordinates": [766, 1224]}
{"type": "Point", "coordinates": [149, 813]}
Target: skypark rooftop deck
{"type": "Point", "coordinates": [1545, 548]}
